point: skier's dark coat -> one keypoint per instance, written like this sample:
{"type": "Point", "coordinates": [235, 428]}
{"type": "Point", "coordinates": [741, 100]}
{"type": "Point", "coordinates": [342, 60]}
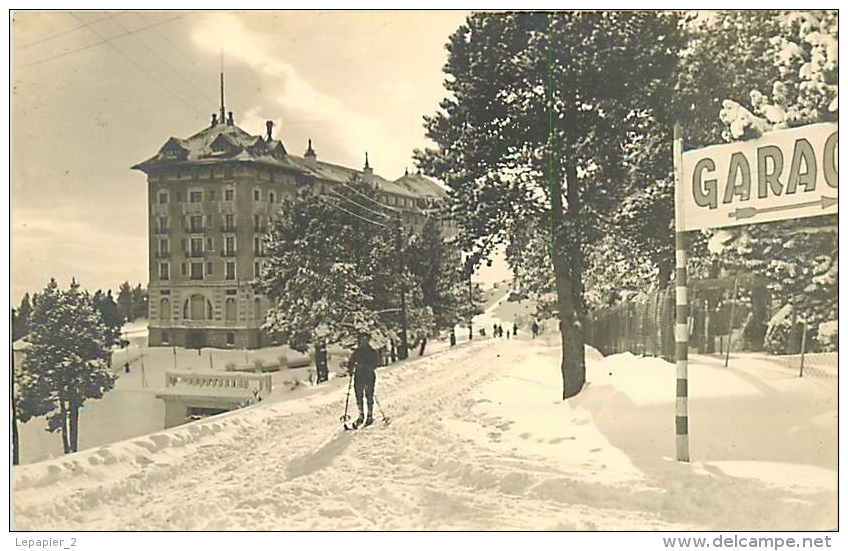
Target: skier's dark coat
{"type": "Point", "coordinates": [363, 362]}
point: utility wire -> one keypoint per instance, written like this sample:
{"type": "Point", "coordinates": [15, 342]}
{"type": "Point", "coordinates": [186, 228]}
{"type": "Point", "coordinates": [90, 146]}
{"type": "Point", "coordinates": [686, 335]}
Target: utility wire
{"type": "Point", "coordinates": [142, 69]}
{"type": "Point", "coordinates": [103, 40]}
{"type": "Point", "coordinates": [57, 35]}
{"type": "Point", "coordinates": [185, 56]}
{"type": "Point", "coordinates": [356, 191]}
{"type": "Point", "coordinates": [166, 62]}
{"type": "Point", "coordinates": [348, 199]}
{"type": "Point", "coordinates": [334, 205]}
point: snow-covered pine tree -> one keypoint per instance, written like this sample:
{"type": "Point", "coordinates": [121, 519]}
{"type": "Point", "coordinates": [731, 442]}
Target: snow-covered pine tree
{"type": "Point", "coordinates": [792, 80]}
{"type": "Point", "coordinates": [434, 295]}
{"type": "Point", "coordinates": [532, 126]}
{"type": "Point", "coordinates": [66, 363]}
{"type": "Point", "coordinates": [330, 268]}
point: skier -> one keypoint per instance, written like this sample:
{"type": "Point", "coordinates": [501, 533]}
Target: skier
{"type": "Point", "coordinates": [535, 329]}
{"type": "Point", "coordinates": [361, 366]}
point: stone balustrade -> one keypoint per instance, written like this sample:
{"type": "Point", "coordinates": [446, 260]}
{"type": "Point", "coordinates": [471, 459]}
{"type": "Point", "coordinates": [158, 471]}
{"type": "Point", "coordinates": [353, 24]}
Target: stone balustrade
{"type": "Point", "coordinates": [215, 379]}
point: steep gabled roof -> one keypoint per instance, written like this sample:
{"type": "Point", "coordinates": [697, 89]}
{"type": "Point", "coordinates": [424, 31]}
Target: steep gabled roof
{"type": "Point", "coordinates": [223, 142]}
{"type": "Point", "coordinates": [421, 186]}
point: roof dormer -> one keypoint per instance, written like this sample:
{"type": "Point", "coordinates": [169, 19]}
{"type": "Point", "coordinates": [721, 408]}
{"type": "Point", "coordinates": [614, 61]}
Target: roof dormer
{"type": "Point", "coordinates": [223, 145]}
{"type": "Point", "coordinates": [174, 150]}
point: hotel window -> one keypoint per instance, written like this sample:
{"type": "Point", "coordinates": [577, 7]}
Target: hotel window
{"type": "Point", "coordinates": [272, 197]}
{"type": "Point", "coordinates": [164, 271]}
{"type": "Point", "coordinates": [195, 197]}
{"type": "Point", "coordinates": [197, 270]}
{"type": "Point", "coordinates": [230, 245]}
{"type": "Point", "coordinates": [257, 223]}
{"type": "Point", "coordinates": [231, 338]}
{"type": "Point", "coordinates": [195, 224]}
{"type": "Point", "coordinates": [210, 244]}
{"type": "Point", "coordinates": [230, 272]}
{"type": "Point", "coordinates": [183, 268]}
{"type": "Point", "coordinates": [229, 222]}
{"type": "Point", "coordinates": [211, 194]}
{"type": "Point", "coordinates": [229, 194]}
{"type": "Point", "coordinates": [163, 247]}
{"type": "Point", "coordinates": [163, 224]}
{"type": "Point", "coordinates": [166, 339]}
{"type": "Point", "coordinates": [196, 246]}
{"type": "Point", "coordinates": [257, 195]}
{"type": "Point", "coordinates": [208, 268]}
{"type": "Point", "coordinates": [163, 197]}
{"type": "Point", "coordinates": [257, 270]}
{"type": "Point", "coordinates": [257, 246]}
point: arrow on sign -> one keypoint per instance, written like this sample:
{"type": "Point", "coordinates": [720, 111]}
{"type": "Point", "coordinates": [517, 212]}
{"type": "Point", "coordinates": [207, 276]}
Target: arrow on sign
{"type": "Point", "coordinates": [750, 212]}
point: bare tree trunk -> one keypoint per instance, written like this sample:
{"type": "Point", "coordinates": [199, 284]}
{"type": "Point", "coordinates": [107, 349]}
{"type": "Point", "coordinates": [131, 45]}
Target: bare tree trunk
{"type": "Point", "coordinates": [63, 412]}
{"type": "Point", "coordinates": [568, 287]}
{"type": "Point", "coordinates": [73, 420]}
{"type": "Point", "coordinates": [15, 441]}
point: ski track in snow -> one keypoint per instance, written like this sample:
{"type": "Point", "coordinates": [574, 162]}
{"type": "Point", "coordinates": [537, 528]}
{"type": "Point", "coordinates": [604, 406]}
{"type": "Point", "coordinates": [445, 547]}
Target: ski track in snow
{"type": "Point", "coordinates": [299, 471]}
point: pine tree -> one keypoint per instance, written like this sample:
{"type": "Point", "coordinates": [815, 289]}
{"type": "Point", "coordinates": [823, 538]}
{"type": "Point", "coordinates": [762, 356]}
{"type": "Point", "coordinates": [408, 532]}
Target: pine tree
{"type": "Point", "coordinates": [139, 302]}
{"type": "Point", "coordinates": [66, 363]}
{"type": "Point", "coordinates": [107, 308]}
{"type": "Point", "coordinates": [125, 301]}
{"type": "Point", "coordinates": [535, 126]}
{"type": "Point", "coordinates": [786, 75]}
{"type": "Point", "coordinates": [433, 274]}
{"type": "Point", "coordinates": [20, 321]}
{"type": "Point", "coordinates": [329, 272]}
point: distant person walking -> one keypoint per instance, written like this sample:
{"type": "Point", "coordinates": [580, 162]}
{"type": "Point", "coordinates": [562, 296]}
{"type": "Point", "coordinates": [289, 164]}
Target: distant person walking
{"type": "Point", "coordinates": [535, 329]}
{"type": "Point", "coordinates": [495, 330]}
{"type": "Point", "coordinates": [127, 367]}
{"type": "Point", "coordinates": [361, 366]}
{"type": "Point", "coordinates": [514, 329]}
{"type": "Point", "coordinates": [500, 330]}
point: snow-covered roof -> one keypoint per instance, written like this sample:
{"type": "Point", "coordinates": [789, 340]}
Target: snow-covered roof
{"type": "Point", "coordinates": [227, 143]}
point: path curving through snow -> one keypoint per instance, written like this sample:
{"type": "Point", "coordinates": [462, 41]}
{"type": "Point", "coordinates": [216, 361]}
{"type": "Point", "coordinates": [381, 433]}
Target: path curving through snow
{"type": "Point", "coordinates": [479, 441]}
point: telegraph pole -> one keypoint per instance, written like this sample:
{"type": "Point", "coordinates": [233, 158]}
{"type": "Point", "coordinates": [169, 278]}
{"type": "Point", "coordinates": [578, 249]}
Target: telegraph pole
{"type": "Point", "coordinates": [470, 305]}
{"type": "Point", "coordinates": [403, 352]}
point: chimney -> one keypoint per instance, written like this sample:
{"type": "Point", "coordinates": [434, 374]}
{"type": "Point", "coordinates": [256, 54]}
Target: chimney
{"type": "Point", "coordinates": [269, 126]}
{"type": "Point", "coordinates": [309, 155]}
{"type": "Point", "coordinates": [230, 119]}
{"type": "Point", "coordinates": [214, 119]}
{"type": "Point", "coordinates": [367, 172]}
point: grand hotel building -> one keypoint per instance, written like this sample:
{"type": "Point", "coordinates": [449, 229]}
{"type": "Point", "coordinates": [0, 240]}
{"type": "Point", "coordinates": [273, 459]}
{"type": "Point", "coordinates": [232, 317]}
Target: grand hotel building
{"type": "Point", "coordinates": [210, 199]}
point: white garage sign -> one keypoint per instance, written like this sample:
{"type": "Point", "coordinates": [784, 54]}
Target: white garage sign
{"type": "Point", "coordinates": [782, 175]}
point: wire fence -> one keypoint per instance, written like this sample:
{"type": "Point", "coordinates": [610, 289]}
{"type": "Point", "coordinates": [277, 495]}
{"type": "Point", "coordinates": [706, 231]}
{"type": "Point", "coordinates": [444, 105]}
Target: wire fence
{"type": "Point", "coordinates": [818, 365]}
{"type": "Point", "coordinates": [717, 325]}
{"type": "Point", "coordinates": [640, 327]}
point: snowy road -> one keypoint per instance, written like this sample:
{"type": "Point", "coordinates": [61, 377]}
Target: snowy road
{"type": "Point", "coordinates": [478, 441]}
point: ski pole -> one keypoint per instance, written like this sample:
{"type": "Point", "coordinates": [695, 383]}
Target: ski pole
{"type": "Point", "coordinates": [345, 418]}
{"type": "Point", "coordinates": [386, 420]}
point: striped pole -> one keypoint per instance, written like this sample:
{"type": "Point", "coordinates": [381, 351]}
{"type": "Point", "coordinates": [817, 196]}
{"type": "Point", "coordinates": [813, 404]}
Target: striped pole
{"type": "Point", "coordinates": [681, 329]}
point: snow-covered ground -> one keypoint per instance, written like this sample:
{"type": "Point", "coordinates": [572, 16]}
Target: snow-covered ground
{"type": "Point", "coordinates": [479, 440]}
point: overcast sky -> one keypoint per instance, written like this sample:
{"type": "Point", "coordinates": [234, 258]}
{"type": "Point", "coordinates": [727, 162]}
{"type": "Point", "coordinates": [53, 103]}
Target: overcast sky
{"type": "Point", "coordinates": [85, 111]}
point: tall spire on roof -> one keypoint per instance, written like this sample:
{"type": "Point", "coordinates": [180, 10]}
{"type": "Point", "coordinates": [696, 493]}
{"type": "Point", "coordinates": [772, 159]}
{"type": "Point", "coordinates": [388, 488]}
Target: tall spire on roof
{"type": "Point", "coordinates": [366, 161]}
{"type": "Point", "coordinates": [223, 113]}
